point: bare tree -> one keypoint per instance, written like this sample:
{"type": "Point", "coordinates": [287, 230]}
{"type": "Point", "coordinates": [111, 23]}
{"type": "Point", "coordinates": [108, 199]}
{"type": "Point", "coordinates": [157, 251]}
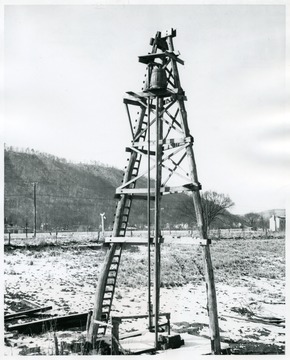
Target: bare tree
{"type": "Point", "coordinates": [252, 219]}
{"type": "Point", "coordinates": [214, 206]}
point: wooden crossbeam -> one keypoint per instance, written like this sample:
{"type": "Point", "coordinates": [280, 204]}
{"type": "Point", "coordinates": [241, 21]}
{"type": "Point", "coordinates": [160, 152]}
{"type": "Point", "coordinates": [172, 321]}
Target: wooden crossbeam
{"type": "Point", "coordinates": [168, 143]}
{"type": "Point", "coordinates": [134, 240]}
{"type": "Point", "coordinates": [176, 165]}
{"type": "Point", "coordinates": [164, 189]}
{"type": "Point", "coordinates": [188, 240]}
{"type": "Point", "coordinates": [132, 101]}
{"type": "Point", "coordinates": [149, 58]}
{"type": "Point", "coordinates": [131, 240]}
{"type": "Point", "coordinates": [102, 323]}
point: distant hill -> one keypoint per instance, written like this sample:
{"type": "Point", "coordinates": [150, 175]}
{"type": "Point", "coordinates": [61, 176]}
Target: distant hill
{"type": "Point", "coordinates": [68, 195]}
{"type": "Point", "coordinates": [72, 196]}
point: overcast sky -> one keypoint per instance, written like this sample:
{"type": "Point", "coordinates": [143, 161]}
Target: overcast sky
{"type": "Point", "coordinates": [67, 69]}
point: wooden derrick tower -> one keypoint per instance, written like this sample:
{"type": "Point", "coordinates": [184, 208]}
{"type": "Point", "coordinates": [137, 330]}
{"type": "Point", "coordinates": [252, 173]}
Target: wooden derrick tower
{"type": "Point", "coordinates": [161, 149]}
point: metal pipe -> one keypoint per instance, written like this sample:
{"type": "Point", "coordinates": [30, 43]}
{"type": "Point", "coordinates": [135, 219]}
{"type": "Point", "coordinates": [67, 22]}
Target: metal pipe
{"type": "Point", "coordinates": [158, 157]}
{"type": "Point", "coordinates": [149, 219]}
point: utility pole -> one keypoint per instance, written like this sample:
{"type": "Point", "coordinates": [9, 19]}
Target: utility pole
{"type": "Point", "coordinates": [26, 227]}
{"type": "Point", "coordinates": [34, 201]}
{"type": "Point", "coordinates": [103, 223]}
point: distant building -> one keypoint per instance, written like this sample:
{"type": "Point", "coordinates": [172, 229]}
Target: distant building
{"type": "Point", "coordinates": [277, 223]}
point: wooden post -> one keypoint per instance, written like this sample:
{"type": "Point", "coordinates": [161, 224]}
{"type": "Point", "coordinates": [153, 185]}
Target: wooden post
{"type": "Point", "coordinates": [168, 323]}
{"type": "Point", "coordinates": [209, 277]}
{"type": "Point", "coordinates": [115, 336]}
{"type": "Point", "coordinates": [34, 198]}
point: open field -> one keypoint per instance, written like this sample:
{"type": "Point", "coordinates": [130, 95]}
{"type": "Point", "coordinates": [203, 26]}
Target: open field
{"type": "Point", "coordinates": [249, 275]}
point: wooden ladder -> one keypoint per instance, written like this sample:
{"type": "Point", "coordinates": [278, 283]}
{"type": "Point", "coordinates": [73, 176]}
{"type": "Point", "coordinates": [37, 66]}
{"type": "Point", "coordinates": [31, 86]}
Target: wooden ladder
{"type": "Point", "coordinates": [120, 227]}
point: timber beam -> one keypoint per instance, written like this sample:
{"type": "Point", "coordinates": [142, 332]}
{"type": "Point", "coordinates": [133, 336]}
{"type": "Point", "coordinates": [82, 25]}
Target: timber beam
{"type": "Point", "coordinates": [164, 190]}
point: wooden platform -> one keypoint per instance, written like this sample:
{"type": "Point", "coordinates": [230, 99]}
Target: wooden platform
{"type": "Point", "coordinates": [193, 345]}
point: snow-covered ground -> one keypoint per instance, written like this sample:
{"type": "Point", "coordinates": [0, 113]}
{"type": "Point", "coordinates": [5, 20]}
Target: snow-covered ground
{"type": "Point", "coordinates": [67, 281]}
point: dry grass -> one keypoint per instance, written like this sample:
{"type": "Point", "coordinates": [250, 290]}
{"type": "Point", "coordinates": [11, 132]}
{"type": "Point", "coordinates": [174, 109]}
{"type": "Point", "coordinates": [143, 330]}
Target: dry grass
{"type": "Point", "coordinates": [232, 259]}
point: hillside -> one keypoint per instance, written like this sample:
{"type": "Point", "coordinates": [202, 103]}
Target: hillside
{"type": "Point", "coordinates": [68, 195]}
{"type": "Point", "coordinates": [72, 196]}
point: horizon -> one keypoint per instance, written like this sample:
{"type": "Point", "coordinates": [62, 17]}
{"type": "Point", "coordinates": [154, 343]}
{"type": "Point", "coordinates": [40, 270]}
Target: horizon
{"type": "Point", "coordinates": [67, 68]}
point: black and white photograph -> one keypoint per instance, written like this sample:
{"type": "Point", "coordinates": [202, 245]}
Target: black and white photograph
{"type": "Point", "coordinates": [146, 178]}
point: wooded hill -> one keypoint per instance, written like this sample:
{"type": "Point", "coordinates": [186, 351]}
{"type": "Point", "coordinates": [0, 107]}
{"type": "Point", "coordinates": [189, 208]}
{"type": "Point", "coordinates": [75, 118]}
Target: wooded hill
{"type": "Point", "coordinates": [68, 195]}
{"type": "Point", "coordinates": [72, 196]}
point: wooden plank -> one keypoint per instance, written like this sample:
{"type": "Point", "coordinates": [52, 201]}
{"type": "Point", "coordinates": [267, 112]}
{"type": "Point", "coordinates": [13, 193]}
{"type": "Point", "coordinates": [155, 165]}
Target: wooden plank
{"type": "Point", "coordinates": [188, 240]}
{"type": "Point", "coordinates": [184, 240]}
{"type": "Point", "coordinates": [128, 240]}
{"type": "Point", "coordinates": [149, 58]}
{"type": "Point", "coordinates": [55, 323]}
{"type": "Point", "coordinates": [131, 334]}
{"type": "Point", "coordinates": [102, 323]}
{"type": "Point", "coordinates": [161, 93]}
{"type": "Point", "coordinates": [172, 142]}
{"type": "Point", "coordinates": [145, 59]}
{"type": "Point", "coordinates": [255, 321]}
{"type": "Point", "coordinates": [16, 315]}
{"type": "Point", "coordinates": [127, 317]}
{"type": "Point", "coordinates": [165, 190]}
{"type": "Point", "coordinates": [138, 95]}
{"type": "Point", "coordinates": [133, 102]}
{"type": "Point", "coordinates": [142, 351]}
